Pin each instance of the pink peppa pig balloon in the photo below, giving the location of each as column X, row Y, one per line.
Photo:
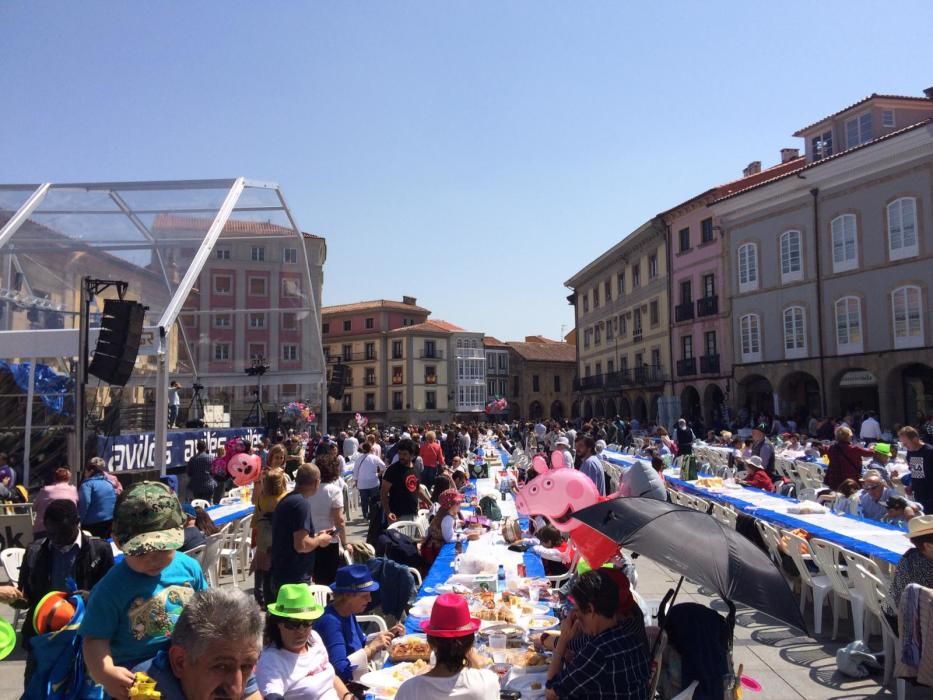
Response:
column 539, row 464
column 244, row 468
column 558, row 460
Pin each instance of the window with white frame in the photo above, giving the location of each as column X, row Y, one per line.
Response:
column 845, row 243
column 791, row 257
column 748, row 267
column 902, row 228
column 222, row 321
column 257, row 320
column 586, row 302
column 222, row 253
column 223, row 284
column 289, row 352
column 221, row 351
column 290, row 256
column 795, row 335
column 858, row 130
column 652, row 266
column 258, row 253
column 258, row 286
column 750, row 329
column 907, row 312
column 848, row 325
column 887, row 118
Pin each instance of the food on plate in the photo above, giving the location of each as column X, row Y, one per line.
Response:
column 710, row 482
column 529, row 658
column 542, row 623
column 497, row 614
column 410, row 649
column 403, row 672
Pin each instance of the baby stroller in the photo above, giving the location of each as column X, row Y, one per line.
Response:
column 698, row 648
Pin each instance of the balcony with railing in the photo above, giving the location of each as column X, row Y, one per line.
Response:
column 470, row 354
column 636, row 335
column 708, row 306
column 649, row 375
column 683, row 312
column 687, row 367
column 709, row 364
column 430, row 354
column 352, row 357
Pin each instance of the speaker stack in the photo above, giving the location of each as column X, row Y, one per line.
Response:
column 338, row 381
column 121, row 328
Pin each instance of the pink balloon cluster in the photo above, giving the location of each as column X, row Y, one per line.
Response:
column 244, row 468
column 497, row 406
column 361, row 421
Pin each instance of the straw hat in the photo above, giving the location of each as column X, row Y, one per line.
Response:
column 921, row 525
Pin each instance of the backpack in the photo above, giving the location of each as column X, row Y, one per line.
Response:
column 490, row 508
column 400, row 548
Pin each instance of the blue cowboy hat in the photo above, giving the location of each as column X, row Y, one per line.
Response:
column 354, row 579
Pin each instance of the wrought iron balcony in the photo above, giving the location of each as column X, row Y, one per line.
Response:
column 708, row 306
column 649, row 375
column 683, row 312
column 709, row 364
column 686, row 368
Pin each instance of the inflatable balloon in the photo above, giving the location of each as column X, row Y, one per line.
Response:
column 53, row 612
column 244, row 469
column 558, row 460
column 557, row 493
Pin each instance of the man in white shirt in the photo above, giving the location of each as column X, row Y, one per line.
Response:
column 350, row 447
column 871, row 429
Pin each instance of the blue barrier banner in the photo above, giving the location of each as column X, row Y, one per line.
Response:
column 136, row 451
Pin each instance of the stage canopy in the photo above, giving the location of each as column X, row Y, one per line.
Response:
column 228, row 277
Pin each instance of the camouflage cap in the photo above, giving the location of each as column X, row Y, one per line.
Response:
column 148, row 518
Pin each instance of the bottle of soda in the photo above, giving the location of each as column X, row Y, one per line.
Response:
column 500, row 578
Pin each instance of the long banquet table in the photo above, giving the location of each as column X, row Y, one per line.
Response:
column 442, row 569
column 867, row 537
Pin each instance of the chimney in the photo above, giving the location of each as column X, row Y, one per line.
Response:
column 410, row 301
column 753, row 168
column 929, row 93
column 789, row 154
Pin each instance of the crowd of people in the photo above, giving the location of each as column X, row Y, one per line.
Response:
column 151, row 608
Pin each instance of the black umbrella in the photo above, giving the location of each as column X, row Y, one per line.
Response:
column 696, row 545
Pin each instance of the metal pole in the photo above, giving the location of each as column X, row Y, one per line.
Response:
column 161, row 399
column 84, row 310
column 324, row 404
column 27, row 443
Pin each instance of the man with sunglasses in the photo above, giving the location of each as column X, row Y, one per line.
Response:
column 874, row 496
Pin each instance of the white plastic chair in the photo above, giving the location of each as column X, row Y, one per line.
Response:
column 200, row 503
column 416, row 575
column 321, row 594
column 210, row 559
column 827, row 555
column 412, row 528
column 12, row 559
column 875, row 592
column 817, row 584
column 726, row 516
column 378, row 661
column 197, row 553
column 230, row 552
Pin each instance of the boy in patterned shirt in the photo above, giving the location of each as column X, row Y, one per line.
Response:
column 133, row 609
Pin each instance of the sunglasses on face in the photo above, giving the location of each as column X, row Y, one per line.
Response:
column 297, row 624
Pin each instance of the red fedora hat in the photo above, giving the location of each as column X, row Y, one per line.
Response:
column 450, row 617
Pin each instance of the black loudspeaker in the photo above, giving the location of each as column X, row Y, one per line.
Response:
column 121, row 327
column 338, row 380
column 272, row 421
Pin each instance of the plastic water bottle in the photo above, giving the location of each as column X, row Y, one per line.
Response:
column 500, row 579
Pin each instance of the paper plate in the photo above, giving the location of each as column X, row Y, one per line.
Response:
column 530, row 686
column 422, row 607
column 539, row 624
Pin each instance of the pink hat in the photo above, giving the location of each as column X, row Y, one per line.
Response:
column 450, row 497
column 450, row 617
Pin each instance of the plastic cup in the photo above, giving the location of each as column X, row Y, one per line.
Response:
column 498, row 642
column 534, row 593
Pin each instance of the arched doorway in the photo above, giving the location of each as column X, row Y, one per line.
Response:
column 655, row 404
column 756, row 396
column 856, row 391
column 640, row 409
column 611, row 408
column 690, row 403
column 587, row 410
column 599, row 410
column 713, row 400
column 914, row 387
column 625, row 408
column 557, row 411
column 575, row 410
column 799, row 395
column 536, row 410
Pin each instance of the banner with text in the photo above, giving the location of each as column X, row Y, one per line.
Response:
column 137, row 450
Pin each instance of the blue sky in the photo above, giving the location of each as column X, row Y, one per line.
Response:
column 471, row 154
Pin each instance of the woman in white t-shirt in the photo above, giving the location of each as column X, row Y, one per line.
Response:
column 294, row 663
column 366, row 472
column 327, row 513
column 456, row 674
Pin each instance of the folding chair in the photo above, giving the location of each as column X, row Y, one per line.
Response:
column 12, row 559
column 818, row 584
column 827, row 555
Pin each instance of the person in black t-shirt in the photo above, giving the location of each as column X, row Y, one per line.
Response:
column 920, row 461
column 293, row 543
column 399, row 492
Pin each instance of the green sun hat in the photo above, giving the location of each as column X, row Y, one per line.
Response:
column 148, row 518
column 7, row 639
column 296, row 602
